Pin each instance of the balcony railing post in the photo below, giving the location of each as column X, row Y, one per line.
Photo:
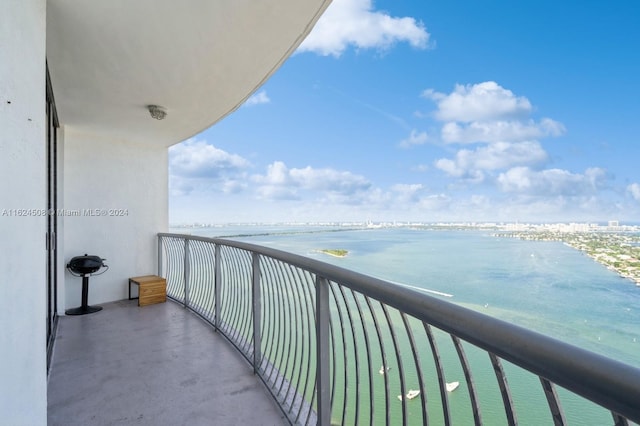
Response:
column 257, row 312
column 216, row 286
column 187, row 272
column 322, row 351
column 159, row 255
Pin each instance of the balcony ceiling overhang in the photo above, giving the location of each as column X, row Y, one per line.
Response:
column 199, row 59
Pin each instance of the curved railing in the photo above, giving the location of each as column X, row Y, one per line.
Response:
column 337, row 347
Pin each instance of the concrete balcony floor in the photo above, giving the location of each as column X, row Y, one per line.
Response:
column 153, row 365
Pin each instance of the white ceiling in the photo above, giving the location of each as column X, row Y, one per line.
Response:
column 200, row 59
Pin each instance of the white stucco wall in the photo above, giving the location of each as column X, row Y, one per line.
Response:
column 23, row 381
column 127, row 184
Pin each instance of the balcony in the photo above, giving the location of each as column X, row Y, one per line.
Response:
column 157, row 365
column 331, row 346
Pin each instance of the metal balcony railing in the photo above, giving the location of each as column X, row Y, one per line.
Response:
column 337, row 347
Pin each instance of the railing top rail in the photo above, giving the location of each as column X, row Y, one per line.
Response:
column 605, row 381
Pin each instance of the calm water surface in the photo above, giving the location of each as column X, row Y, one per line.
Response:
column 543, row 285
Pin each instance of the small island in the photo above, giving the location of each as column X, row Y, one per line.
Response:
column 335, row 252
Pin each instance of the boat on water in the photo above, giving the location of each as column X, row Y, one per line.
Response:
column 383, row 370
column 451, row 386
column 411, row 394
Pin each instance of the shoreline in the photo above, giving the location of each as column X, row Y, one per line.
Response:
column 616, row 252
column 633, row 274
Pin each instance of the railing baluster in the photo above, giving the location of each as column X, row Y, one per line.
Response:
column 475, row 406
column 160, row 242
column 291, row 315
column 332, row 359
column 387, row 393
column 416, row 360
column 504, row 390
column 211, row 278
column 292, row 389
column 242, row 302
column 217, row 285
column 280, row 327
column 187, row 272
column 245, row 306
column 276, row 280
column 345, row 358
column 257, row 311
column 553, row 401
column 618, row 420
column 195, row 300
column 440, row 372
column 227, row 273
column 271, row 341
column 208, row 265
column 322, row 351
column 401, row 375
column 270, row 350
column 227, row 306
column 237, row 272
column 175, row 266
column 308, row 289
column 369, row 366
column 345, row 361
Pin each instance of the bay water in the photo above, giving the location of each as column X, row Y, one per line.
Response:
column 545, row 286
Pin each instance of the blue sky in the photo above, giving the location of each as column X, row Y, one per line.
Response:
column 432, row 111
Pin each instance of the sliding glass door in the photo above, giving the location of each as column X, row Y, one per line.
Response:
column 52, row 219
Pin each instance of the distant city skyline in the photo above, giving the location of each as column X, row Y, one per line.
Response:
column 611, row 225
column 432, row 112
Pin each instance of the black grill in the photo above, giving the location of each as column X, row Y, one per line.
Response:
column 84, row 266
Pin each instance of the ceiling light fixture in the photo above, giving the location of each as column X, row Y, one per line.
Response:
column 157, row 112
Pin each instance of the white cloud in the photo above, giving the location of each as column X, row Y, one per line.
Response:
column 435, row 202
column 354, row 23
column 276, row 184
column 198, row 159
column 281, row 182
column 277, row 192
column 258, row 98
column 494, row 131
column 234, row 186
column 415, row 138
column 552, row 182
column 452, row 168
column 179, row 186
column 329, row 180
column 499, row 122
column 407, row 192
column 197, row 166
column 277, row 174
column 485, row 101
column 487, row 112
column 479, row 201
column 634, row 190
column 470, row 164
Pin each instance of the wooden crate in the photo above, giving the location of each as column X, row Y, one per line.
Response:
column 151, row 289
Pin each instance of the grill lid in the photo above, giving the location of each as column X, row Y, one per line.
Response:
column 87, row 264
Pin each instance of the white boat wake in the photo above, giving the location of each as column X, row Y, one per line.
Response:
column 426, row 290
